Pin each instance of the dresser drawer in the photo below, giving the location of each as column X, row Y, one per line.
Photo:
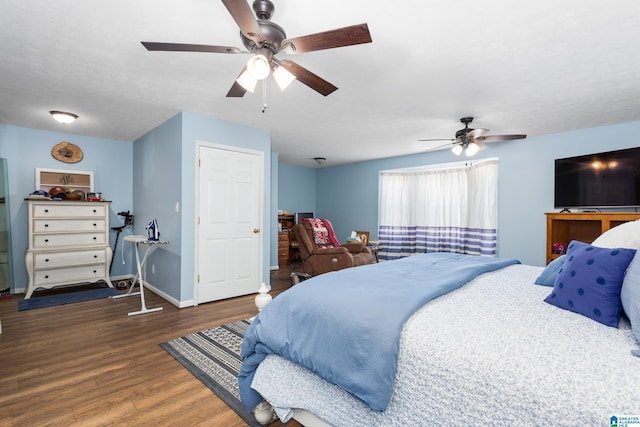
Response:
column 283, row 237
column 64, row 210
column 41, row 241
column 69, row 275
column 54, row 225
column 63, row 259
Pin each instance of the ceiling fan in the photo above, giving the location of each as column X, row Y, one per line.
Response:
column 264, row 40
column 471, row 140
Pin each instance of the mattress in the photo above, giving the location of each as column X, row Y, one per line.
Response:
column 490, row 353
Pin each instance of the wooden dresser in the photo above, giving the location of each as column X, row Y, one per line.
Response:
column 68, row 243
column 283, row 248
column 583, row 226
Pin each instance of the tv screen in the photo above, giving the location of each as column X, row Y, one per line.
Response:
column 601, row 180
column 300, row 215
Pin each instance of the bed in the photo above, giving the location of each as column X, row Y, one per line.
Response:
column 489, row 352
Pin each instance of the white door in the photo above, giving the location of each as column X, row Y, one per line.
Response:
column 230, row 223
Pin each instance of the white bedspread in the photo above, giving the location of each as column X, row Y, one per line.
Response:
column 491, row 353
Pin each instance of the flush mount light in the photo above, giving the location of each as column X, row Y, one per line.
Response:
column 63, row 117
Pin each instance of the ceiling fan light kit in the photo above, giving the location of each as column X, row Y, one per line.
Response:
column 265, row 39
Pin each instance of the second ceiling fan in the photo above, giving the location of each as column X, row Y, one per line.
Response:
column 471, row 140
column 264, row 40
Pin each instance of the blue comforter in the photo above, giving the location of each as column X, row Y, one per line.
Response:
column 345, row 326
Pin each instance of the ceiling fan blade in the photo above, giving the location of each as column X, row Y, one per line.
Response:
column 500, row 137
column 476, row 133
column 180, row 47
column 439, row 147
column 308, row 78
column 237, row 91
column 347, row 36
column 243, row 15
column 437, row 139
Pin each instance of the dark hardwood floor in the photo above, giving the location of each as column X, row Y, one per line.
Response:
column 89, row 364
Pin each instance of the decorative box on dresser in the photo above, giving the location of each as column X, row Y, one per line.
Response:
column 68, row 243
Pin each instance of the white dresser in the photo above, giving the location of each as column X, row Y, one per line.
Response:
column 68, row 243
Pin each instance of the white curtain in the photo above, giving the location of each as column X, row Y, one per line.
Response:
column 452, row 209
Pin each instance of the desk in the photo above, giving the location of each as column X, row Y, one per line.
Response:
column 150, row 246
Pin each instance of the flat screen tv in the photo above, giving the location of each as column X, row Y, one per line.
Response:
column 300, row 215
column 601, row 180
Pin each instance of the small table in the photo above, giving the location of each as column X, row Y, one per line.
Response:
column 374, row 250
column 150, row 245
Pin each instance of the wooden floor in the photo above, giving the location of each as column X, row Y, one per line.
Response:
column 89, row 364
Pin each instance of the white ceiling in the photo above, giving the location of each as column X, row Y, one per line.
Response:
column 535, row 67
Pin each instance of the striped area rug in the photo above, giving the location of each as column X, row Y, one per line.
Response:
column 213, row 356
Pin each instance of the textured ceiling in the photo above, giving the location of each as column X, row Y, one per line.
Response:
column 518, row 67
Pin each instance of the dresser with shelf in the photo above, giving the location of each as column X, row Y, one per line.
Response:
column 563, row 227
column 68, row 243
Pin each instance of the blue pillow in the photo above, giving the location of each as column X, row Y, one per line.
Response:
column 590, row 282
column 630, row 297
column 549, row 274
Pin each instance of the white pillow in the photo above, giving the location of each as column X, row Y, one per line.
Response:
column 625, row 235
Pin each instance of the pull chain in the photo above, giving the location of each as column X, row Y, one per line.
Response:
column 264, row 95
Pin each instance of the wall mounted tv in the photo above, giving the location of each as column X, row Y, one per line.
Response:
column 601, row 180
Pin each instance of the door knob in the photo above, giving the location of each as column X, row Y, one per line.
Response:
column 256, row 230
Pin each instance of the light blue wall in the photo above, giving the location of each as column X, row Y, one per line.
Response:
column 26, row 149
column 157, row 187
column 296, row 189
column 348, row 194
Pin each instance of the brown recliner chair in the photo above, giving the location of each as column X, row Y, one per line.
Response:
column 317, row 260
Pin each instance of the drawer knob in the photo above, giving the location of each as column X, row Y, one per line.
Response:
column 46, row 260
column 46, row 240
column 95, row 238
column 46, row 225
column 95, row 256
column 95, row 225
column 46, row 277
column 95, row 271
column 46, row 211
column 94, row 211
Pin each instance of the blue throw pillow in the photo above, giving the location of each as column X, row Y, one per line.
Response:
column 590, row 282
column 630, row 296
column 549, row 274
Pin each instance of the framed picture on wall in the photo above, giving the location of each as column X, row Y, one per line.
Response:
column 363, row 236
column 73, row 180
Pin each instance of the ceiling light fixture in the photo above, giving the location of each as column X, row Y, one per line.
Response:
column 282, row 76
column 63, row 117
column 320, row 160
column 247, row 81
column 258, row 66
column 470, row 148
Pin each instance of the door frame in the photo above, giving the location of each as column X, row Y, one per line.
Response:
column 196, row 240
